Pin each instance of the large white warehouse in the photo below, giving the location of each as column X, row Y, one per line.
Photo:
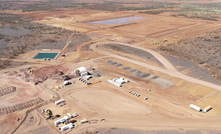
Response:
column 81, row 71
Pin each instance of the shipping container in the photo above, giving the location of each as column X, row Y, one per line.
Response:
column 208, row 108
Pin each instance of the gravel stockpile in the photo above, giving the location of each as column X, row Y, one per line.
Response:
column 142, row 75
column 138, row 71
column 108, row 61
column 118, row 65
column 130, row 50
column 155, row 77
column 145, row 75
column 113, row 63
column 126, row 68
column 132, row 70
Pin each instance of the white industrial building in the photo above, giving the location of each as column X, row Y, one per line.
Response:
column 68, row 126
column 118, row 82
column 61, row 120
column 81, row 71
column 114, row 83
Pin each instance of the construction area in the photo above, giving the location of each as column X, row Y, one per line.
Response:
column 116, row 82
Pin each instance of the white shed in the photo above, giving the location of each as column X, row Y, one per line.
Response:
column 81, row 71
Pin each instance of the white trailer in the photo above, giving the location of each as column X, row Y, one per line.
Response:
column 66, row 83
column 61, row 120
column 84, row 121
column 117, row 84
column 68, row 126
column 120, row 81
column 58, row 102
column 114, row 83
column 195, row 107
column 208, row 108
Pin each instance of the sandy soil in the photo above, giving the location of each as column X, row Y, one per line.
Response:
column 25, row 91
column 165, row 109
column 153, row 25
column 115, row 106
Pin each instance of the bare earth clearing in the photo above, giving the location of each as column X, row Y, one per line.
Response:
column 110, row 109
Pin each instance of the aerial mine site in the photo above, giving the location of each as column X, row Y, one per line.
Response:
column 110, row 67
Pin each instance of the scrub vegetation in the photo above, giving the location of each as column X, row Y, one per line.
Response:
column 204, row 50
column 207, row 11
column 19, row 34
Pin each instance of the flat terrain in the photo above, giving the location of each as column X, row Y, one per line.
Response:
column 108, row 52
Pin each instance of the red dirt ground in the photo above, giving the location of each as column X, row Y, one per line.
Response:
column 60, row 14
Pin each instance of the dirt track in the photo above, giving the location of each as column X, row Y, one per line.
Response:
column 101, row 100
column 170, row 69
column 30, row 61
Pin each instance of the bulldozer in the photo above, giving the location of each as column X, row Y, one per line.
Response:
column 48, row 114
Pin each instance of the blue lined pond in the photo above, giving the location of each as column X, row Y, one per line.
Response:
column 116, row 21
column 45, row 55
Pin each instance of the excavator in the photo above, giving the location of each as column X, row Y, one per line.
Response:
column 48, row 114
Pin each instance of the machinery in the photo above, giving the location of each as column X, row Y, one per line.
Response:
column 65, row 77
column 67, row 122
column 48, row 114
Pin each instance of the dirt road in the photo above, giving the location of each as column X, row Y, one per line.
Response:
column 29, row 61
column 170, row 68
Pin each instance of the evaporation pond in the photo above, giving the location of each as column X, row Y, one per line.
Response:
column 116, row 21
column 45, row 55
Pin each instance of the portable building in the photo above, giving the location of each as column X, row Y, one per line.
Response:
column 75, row 115
column 57, row 122
column 61, row 120
column 208, row 108
column 84, row 121
column 88, row 77
column 66, row 83
column 68, row 126
column 66, row 117
column 126, row 80
column 195, row 107
column 58, row 102
column 69, row 115
column 117, row 84
column 120, row 81
column 112, row 82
